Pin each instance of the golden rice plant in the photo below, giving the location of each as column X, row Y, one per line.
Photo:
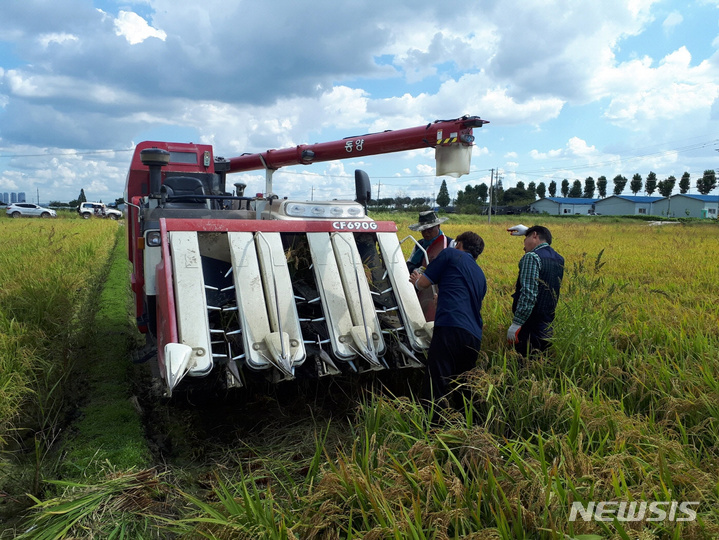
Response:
column 47, row 269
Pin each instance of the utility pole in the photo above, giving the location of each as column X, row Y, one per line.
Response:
column 379, row 184
column 312, row 195
column 489, row 208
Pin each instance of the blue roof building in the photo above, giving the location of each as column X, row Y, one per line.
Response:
column 558, row 206
column 688, row 205
column 626, row 205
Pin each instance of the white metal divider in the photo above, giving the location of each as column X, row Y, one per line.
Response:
column 366, row 330
column 332, row 295
column 285, row 342
column 419, row 331
column 252, row 311
column 190, row 301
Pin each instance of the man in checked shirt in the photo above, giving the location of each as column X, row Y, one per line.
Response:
column 537, row 291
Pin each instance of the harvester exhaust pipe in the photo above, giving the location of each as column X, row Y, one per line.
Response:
column 363, row 189
column 155, row 159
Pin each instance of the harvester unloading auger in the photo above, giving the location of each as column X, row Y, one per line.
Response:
column 240, row 286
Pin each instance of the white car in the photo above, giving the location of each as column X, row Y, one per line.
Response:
column 90, row 209
column 23, row 209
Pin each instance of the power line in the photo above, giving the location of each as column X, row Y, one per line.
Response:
column 74, row 153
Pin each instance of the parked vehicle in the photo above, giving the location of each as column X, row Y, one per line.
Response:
column 94, row 209
column 17, row 210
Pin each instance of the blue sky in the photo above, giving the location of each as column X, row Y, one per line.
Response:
column 571, row 89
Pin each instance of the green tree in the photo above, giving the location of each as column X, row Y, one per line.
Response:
column 602, row 186
column 467, row 200
column 81, row 198
column 651, row 183
column 619, row 183
column 542, row 190
column 517, row 196
column 387, row 202
column 552, row 189
column 589, row 187
column 482, row 192
column 443, row 199
column 400, row 201
column 665, row 187
column 532, row 190
column 419, row 201
column 636, row 184
column 685, row 183
column 707, row 182
column 497, row 192
column 565, row 187
column 576, row 190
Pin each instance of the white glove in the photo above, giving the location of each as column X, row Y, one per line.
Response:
column 518, row 230
column 513, row 333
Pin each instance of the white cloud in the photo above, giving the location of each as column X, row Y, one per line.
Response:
column 575, row 148
column 135, row 29
column 60, row 38
column 671, row 90
column 28, row 85
column 672, row 20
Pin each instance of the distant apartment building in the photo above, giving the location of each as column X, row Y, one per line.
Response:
column 11, row 198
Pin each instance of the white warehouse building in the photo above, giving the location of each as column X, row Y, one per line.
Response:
column 626, row 205
column 688, row 205
column 559, row 206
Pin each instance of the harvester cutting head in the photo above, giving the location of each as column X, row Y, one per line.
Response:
column 260, row 286
column 333, row 292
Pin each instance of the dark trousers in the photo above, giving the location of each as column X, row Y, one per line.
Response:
column 533, row 338
column 452, row 352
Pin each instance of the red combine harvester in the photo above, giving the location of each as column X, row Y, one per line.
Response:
column 242, row 287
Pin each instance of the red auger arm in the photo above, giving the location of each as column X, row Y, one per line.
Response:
column 438, row 133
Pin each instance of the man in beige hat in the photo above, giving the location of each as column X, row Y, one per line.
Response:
column 433, row 241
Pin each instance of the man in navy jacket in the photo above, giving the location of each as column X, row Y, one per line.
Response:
column 457, row 334
column 536, row 294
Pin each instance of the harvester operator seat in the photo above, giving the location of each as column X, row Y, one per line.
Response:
column 184, row 186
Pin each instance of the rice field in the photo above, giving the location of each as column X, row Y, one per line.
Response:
column 47, row 269
column 623, row 409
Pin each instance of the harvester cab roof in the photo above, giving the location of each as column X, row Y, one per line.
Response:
column 241, row 287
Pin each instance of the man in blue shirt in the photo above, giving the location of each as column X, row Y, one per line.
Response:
column 457, row 334
column 541, row 270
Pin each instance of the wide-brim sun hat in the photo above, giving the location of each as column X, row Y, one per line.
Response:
column 427, row 220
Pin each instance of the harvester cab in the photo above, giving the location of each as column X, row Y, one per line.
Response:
column 242, row 287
